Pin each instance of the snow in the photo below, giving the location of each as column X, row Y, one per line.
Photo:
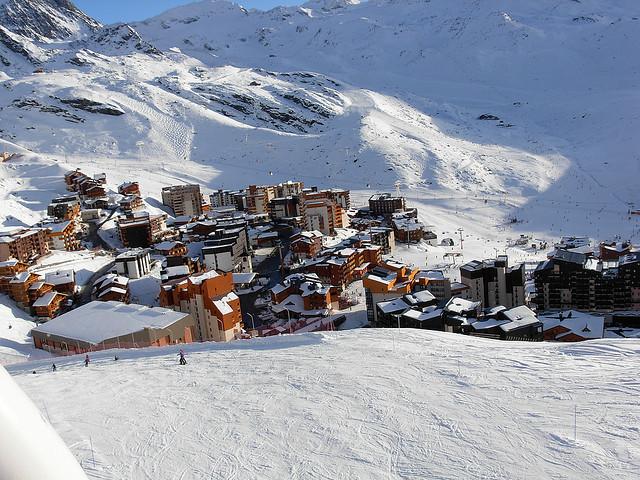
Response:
column 360, row 404
column 16, row 344
column 84, row 263
column 98, row 321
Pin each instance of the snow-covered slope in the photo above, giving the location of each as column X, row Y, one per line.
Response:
column 374, row 404
column 358, row 95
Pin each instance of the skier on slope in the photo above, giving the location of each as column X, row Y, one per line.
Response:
column 53, row 367
column 183, row 361
column 86, row 360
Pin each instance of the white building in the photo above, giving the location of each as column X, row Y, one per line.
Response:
column 134, row 264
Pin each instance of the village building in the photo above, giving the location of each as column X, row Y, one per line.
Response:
column 227, row 247
column 134, row 263
column 303, row 295
column 8, row 270
column 413, row 310
column 131, row 203
column 62, row 236
column 63, row 281
column 171, row 249
column 224, row 198
column 38, row 289
column 183, row 199
column 258, row 198
column 493, row 282
column 572, row 326
column 284, row 207
column 383, row 237
column 90, row 214
column 23, row 244
column 306, row 244
column 613, row 251
column 141, row 229
column 112, row 287
column 105, row 325
column 210, row 300
column 408, row 230
column 459, row 314
column 385, row 204
column 437, row 283
column 387, row 281
column 48, row 306
column 518, row 323
column 343, row 266
column 574, row 280
column 19, row 288
column 64, row 208
column 129, row 188
column 323, row 215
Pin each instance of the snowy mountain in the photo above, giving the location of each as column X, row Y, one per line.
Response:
column 496, row 109
column 365, row 404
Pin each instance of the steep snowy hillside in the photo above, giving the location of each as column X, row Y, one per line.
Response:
column 367, row 404
column 497, row 109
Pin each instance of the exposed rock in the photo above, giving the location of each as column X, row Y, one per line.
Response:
column 93, row 106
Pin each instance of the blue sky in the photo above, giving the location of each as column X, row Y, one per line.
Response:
column 111, row 11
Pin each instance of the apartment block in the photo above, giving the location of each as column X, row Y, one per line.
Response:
column 385, row 204
column 183, row 199
column 210, row 300
column 24, row 244
column 141, row 229
column 493, row 282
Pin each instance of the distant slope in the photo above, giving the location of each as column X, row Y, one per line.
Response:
column 356, row 95
column 372, row 404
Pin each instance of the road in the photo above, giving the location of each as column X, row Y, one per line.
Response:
column 269, row 268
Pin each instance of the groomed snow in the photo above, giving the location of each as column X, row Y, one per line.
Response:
column 366, row 404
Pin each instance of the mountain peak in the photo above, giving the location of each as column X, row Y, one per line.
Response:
column 45, row 20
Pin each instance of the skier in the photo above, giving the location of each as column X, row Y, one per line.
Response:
column 116, row 358
column 86, row 360
column 183, row 361
column 53, row 367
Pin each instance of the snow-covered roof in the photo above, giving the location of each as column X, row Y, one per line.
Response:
column 420, row 297
column 46, row 299
column 581, row 323
column 177, row 270
column 60, row 277
column 489, row 323
column 165, row 246
column 459, row 305
column 222, row 303
column 428, row 313
column 393, row 305
column 20, row 277
column 198, row 279
column 132, row 254
column 240, row 278
column 117, row 290
column 98, row 321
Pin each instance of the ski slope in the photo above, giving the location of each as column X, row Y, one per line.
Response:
column 374, row 404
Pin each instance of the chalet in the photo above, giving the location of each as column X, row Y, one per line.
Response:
column 112, row 287
column 131, row 203
column 306, row 244
column 171, row 249
column 48, row 306
column 302, row 295
column 8, row 270
column 129, row 188
column 518, row 323
column 408, row 230
column 342, row 267
column 459, row 314
column 413, row 310
column 38, row 289
column 63, row 281
column 64, row 208
column 19, row 288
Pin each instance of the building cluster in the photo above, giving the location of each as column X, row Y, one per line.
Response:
column 44, row 297
column 207, row 253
